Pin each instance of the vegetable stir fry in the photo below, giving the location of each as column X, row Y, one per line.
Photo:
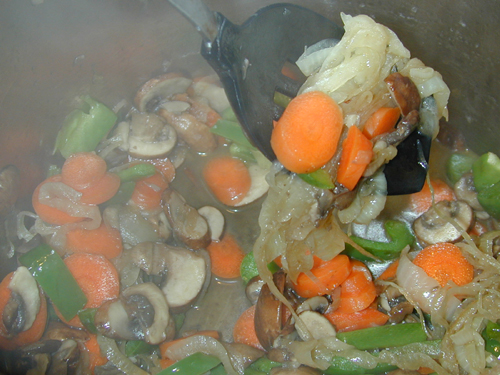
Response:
column 135, row 234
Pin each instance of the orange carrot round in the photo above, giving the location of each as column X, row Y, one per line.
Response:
column 369, row 317
column 228, row 178
column 326, row 276
column 102, row 190
column 32, row 334
column 148, row 191
column 390, row 271
column 383, row 120
column 306, row 136
column 356, row 154
column 422, row 201
column 244, row 329
column 445, row 262
column 83, row 169
column 226, row 257
column 104, row 240
column 165, row 167
column 96, row 276
column 48, row 213
column 358, row 291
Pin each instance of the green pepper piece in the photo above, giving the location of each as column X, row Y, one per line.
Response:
column 123, row 194
column 231, row 130
column 343, row 366
column 458, row 164
column 319, row 178
column 83, row 129
column 136, row 172
column 179, row 321
column 264, row 365
column 242, row 152
column 219, row 370
column 489, row 198
column 281, row 99
column 396, row 231
column 486, row 171
column 228, row 114
column 252, row 371
column 87, row 318
column 384, row 336
column 135, row 347
column 248, row 268
column 491, row 335
column 195, row 364
column 56, row 280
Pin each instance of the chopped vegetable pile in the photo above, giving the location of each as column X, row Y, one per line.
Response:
column 141, row 254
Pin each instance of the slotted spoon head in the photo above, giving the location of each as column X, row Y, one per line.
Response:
column 250, row 59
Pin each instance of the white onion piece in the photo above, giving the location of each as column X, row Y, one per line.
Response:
column 469, row 350
column 203, row 344
column 117, row 358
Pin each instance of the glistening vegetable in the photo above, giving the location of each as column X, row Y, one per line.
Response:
column 195, row 364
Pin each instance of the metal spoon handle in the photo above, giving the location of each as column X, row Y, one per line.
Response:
column 200, row 15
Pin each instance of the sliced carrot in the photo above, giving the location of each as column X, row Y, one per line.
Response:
column 32, row 334
column 445, row 262
column 383, row 120
column 358, row 291
column 167, row 344
column 356, row 154
column 165, row 167
column 425, row 370
column 148, row 191
column 83, row 169
column 166, row 362
column 93, row 350
column 226, row 257
column 244, row 329
column 326, row 276
column 390, row 271
column 306, row 136
column 369, row 317
column 48, row 213
column 101, row 191
column 478, row 229
column 96, row 276
column 105, row 241
column 228, row 178
column 422, row 201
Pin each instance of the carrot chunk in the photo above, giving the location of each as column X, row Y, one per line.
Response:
column 383, row 120
column 148, row 191
column 422, row 201
column 244, row 329
column 358, row 291
column 104, row 240
column 83, row 169
column 369, row 317
column 226, row 257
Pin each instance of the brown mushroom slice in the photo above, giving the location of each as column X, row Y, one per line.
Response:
column 404, row 91
column 176, row 106
column 318, row 303
column 149, row 136
column 434, row 226
column 111, row 320
column 186, row 274
column 188, row 225
column 151, row 257
column 317, row 326
column 213, row 94
column 24, row 304
column 258, row 187
column 253, row 288
column 192, row 131
column 215, row 221
column 242, row 355
column 464, row 190
column 9, row 188
column 159, row 89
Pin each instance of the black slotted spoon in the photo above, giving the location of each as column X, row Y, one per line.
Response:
column 249, row 60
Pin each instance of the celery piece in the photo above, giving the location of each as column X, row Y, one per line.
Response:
column 83, row 129
column 195, row 364
column 136, row 172
column 486, row 171
column 396, row 231
column 384, row 336
column 319, row 178
column 232, row 131
column 458, row 164
column 56, row 280
column 87, row 318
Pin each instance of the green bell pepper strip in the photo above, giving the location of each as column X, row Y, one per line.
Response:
column 83, row 129
column 219, row 370
column 281, row 99
column 491, row 335
column 228, row 114
column 248, row 267
column 56, row 280
column 486, row 171
column 387, row 336
column 489, row 198
column 135, row 347
column 136, row 172
column 123, row 194
column 396, row 231
column 458, row 164
column 264, row 365
column 242, row 152
column 319, row 178
column 195, row 364
column 231, row 130
column 87, row 318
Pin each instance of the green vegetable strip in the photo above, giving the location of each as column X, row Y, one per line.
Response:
column 242, row 152
column 219, row 370
column 458, row 164
column 396, row 231
column 281, row 99
column 264, row 365
column 136, row 172
column 491, row 335
column 135, row 347
column 84, row 129
column 87, row 318
column 489, row 198
column 343, row 366
column 195, row 364
column 56, row 280
column 387, row 336
column 231, row 130
column 319, row 178
column 248, row 267
column 486, row 171
column 123, row 194
column 228, row 114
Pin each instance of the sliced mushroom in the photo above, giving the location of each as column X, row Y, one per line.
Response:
column 464, row 190
column 112, row 320
column 23, row 305
column 65, row 359
column 258, row 187
column 151, row 257
column 215, row 221
column 253, row 289
column 213, row 94
column 9, row 188
column 186, row 274
column 149, row 136
column 404, row 92
column 318, row 303
column 192, row 131
column 317, row 325
column 188, row 225
column 157, row 90
column 434, row 225
column 242, row 355
column 60, row 332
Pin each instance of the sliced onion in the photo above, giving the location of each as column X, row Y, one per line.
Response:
column 117, row 358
